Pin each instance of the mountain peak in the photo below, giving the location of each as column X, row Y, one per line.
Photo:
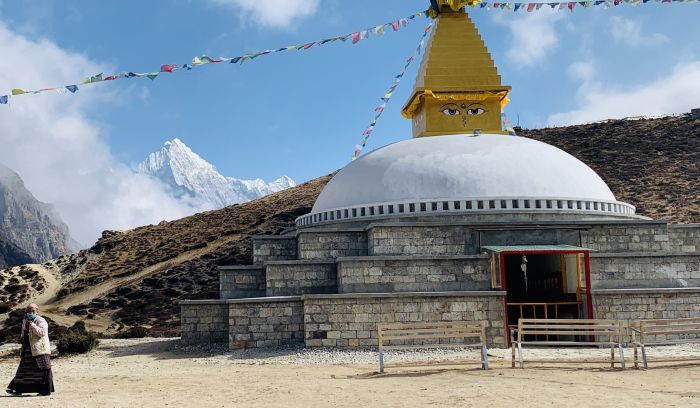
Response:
column 188, row 174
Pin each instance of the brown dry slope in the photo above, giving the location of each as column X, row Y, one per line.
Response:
column 137, row 277
column 653, row 164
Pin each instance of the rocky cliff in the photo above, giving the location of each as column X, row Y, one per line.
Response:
column 29, row 224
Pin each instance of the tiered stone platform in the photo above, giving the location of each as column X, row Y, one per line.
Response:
column 329, row 286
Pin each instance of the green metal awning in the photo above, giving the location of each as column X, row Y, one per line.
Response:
column 534, row 248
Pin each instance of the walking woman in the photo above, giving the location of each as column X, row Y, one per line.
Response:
column 34, row 371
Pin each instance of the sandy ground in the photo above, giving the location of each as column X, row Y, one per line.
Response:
column 155, row 373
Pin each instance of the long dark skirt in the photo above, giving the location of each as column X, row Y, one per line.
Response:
column 30, row 378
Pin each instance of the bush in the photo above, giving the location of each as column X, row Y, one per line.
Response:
column 136, row 332
column 75, row 342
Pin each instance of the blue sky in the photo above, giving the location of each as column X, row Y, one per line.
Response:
column 296, row 113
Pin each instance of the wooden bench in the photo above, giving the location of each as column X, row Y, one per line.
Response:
column 548, row 332
column 645, row 330
column 415, row 335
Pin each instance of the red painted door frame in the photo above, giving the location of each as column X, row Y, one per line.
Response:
column 587, row 273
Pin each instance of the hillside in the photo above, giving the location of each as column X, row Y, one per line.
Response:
column 137, row 277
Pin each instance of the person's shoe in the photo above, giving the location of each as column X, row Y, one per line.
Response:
column 12, row 392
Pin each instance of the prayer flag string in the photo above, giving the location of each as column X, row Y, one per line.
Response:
column 568, row 5
column 355, row 37
column 389, row 93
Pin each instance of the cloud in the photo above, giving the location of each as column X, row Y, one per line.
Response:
column 629, row 32
column 273, row 13
column 50, row 140
column 582, row 70
column 534, row 35
column 675, row 92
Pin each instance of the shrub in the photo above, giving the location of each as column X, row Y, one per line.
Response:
column 75, row 342
column 136, row 332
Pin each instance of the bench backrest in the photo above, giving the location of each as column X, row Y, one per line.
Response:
column 426, row 335
column 667, row 327
column 613, row 330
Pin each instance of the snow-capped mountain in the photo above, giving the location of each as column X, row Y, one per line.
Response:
column 188, row 175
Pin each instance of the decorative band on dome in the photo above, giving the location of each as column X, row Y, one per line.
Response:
column 465, row 206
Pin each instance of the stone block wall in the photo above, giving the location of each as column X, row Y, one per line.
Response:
column 348, row 321
column 646, row 270
column 420, row 240
column 684, row 238
column 331, row 244
column 647, row 304
column 414, row 274
column 626, row 237
column 203, row 321
column 274, row 248
column 241, row 281
column 267, row 323
column 293, row 278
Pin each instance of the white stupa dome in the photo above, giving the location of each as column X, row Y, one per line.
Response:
column 463, row 173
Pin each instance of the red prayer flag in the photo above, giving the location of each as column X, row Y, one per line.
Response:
column 396, row 25
column 355, row 37
column 167, row 68
column 572, row 5
column 530, row 7
column 309, row 45
column 110, row 78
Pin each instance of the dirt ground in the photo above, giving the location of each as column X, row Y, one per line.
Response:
column 151, row 373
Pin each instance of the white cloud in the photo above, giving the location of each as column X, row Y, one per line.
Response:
column 582, row 70
column 273, row 13
column 60, row 153
column 534, row 35
column 675, row 92
column 629, row 32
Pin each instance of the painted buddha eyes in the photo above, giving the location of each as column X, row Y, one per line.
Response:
column 452, row 109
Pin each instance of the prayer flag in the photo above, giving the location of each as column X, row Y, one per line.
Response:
column 517, row 6
column 379, row 30
column 110, row 78
column 234, row 60
column 364, row 34
column 571, row 6
column 72, row 88
column 4, row 99
column 152, row 76
column 395, row 25
column 355, row 37
column 309, row 45
column 530, row 7
column 167, row 68
column 19, row 91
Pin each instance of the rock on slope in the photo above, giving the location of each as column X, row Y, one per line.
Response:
column 137, row 277
column 187, row 174
column 29, row 224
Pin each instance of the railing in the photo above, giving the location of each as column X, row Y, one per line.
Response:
column 522, row 307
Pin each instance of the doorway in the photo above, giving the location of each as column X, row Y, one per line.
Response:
column 539, row 285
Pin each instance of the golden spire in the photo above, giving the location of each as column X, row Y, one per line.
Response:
column 458, row 88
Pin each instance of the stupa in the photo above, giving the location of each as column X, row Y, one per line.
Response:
column 460, row 222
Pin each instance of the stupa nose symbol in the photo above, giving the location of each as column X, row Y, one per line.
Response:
column 464, row 120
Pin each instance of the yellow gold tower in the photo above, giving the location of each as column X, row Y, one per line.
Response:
column 458, row 88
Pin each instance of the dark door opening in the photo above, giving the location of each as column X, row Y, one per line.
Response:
column 540, row 286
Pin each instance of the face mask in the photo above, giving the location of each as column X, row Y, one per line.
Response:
column 31, row 316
